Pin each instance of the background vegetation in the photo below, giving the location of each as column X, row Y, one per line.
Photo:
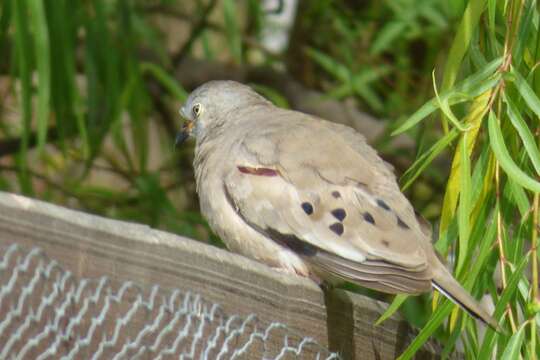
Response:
column 89, row 92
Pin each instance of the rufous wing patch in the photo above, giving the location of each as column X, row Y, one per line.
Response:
column 259, row 171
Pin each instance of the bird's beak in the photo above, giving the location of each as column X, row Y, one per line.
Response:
column 185, row 132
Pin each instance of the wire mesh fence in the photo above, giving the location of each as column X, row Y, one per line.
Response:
column 46, row 312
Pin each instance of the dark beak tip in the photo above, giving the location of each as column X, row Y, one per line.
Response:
column 181, row 137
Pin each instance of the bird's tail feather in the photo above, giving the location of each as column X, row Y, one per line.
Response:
column 449, row 287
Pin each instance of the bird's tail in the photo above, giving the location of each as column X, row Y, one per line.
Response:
column 445, row 283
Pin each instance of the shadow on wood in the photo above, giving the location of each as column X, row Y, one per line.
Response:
column 340, row 323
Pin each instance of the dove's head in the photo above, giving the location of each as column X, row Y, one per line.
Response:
column 212, row 104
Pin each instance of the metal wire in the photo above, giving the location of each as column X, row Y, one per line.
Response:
column 48, row 313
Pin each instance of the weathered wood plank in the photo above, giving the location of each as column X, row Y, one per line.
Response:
column 92, row 246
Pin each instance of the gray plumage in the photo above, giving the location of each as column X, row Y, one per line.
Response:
column 308, row 196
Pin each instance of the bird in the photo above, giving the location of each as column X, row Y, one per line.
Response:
column 308, row 196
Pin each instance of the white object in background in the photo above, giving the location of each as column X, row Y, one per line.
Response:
column 278, row 23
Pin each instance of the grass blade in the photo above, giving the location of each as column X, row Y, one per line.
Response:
column 168, row 82
column 386, row 36
column 42, row 53
column 464, row 210
column 5, row 17
column 232, row 29
column 23, row 53
column 330, row 65
column 65, row 98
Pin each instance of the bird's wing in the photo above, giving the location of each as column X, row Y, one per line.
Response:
column 320, row 190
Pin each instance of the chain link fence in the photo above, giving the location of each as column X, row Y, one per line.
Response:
column 46, row 312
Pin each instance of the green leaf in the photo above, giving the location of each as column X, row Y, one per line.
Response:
column 5, row 18
column 42, row 51
column 339, row 71
column 461, row 42
column 479, row 174
column 168, row 82
column 477, row 56
column 526, row 92
column 207, row 47
column 232, row 29
column 525, row 27
column 464, row 210
column 525, row 133
column 386, row 36
column 513, row 347
column 492, row 8
column 460, row 45
column 394, row 306
column 426, row 158
column 473, row 120
column 427, row 331
column 434, row 15
column 65, row 94
column 485, row 249
column 505, row 159
column 105, row 68
column 451, row 343
column 23, row 52
column 360, row 83
column 519, row 197
column 445, row 108
column 500, row 308
column 471, row 87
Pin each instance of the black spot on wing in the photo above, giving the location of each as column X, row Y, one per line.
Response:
column 339, row 214
column 369, row 218
column 291, row 241
column 402, row 224
column 337, row 228
column 336, row 194
column 383, row 205
column 308, row 208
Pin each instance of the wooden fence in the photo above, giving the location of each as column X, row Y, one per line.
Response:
column 90, row 247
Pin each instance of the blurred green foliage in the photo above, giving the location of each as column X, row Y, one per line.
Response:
column 89, row 92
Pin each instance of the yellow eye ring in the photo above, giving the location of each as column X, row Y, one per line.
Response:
column 197, row 110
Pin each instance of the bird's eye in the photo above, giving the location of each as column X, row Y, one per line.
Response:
column 197, row 110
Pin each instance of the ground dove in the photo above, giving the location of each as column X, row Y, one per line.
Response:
column 308, row 196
